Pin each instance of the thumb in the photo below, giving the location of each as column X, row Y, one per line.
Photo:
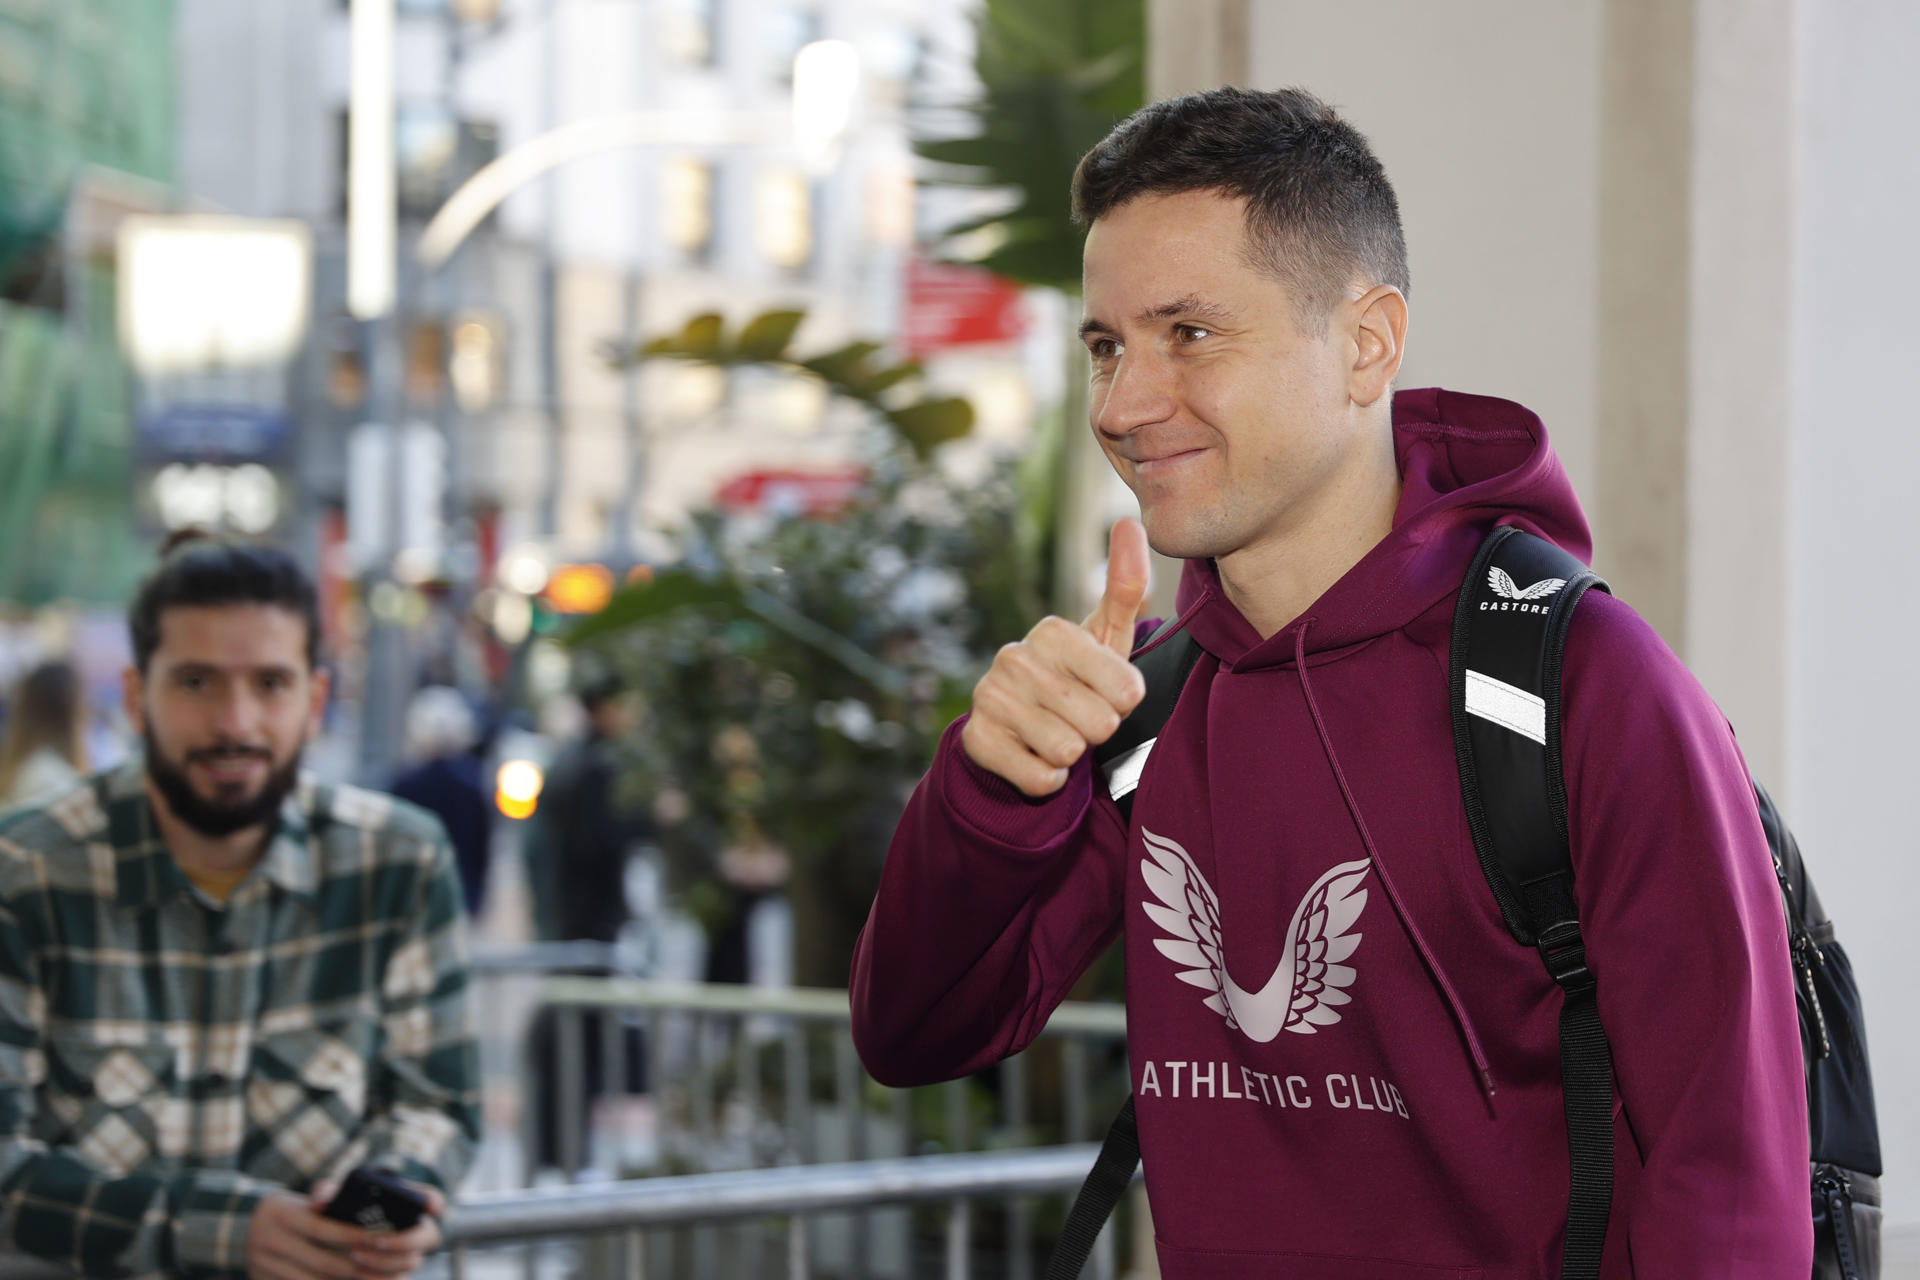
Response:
column 1111, row 621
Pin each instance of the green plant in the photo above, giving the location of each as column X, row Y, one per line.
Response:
column 798, row 670
column 1055, row 76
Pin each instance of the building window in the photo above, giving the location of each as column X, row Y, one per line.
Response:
column 787, row 28
column 434, row 153
column 687, row 212
column 426, row 142
column 783, row 218
column 689, row 31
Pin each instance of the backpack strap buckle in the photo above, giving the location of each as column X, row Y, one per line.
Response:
column 1565, row 954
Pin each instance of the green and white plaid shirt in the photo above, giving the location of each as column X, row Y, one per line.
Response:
column 164, row 1063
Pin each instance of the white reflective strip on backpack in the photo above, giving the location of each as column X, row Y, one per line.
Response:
column 1123, row 771
column 1506, row 706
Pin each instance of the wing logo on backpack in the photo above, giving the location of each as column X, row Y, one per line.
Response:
column 1310, row 979
column 1513, row 596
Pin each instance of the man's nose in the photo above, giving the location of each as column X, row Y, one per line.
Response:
column 1139, row 393
column 237, row 715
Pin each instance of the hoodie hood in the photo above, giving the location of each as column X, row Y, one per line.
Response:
column 1466, row 463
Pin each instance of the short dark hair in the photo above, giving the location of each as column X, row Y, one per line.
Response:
column 598, row 691
column 1320, row 210
column 211, row 570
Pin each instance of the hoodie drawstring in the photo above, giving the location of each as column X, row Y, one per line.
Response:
column 1460, row 1017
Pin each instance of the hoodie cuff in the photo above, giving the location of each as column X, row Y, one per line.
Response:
column 1000, row 811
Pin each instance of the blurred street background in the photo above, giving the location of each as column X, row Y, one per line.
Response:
column 687, row 390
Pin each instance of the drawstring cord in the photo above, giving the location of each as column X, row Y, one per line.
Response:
column 1386, row 881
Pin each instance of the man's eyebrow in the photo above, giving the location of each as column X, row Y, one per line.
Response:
column 1191, row 304
column 195, row 667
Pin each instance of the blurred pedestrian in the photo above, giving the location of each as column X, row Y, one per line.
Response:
column 227, row 984
column 446, row 779
column 43, row 750
column 576, row 850
column 577, row 844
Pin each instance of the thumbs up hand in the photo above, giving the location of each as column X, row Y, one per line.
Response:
column 1064, row 688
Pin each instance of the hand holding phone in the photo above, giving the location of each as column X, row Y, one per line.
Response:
column 377, row 1200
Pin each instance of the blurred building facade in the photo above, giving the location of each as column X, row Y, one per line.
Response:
column 86, row 133
column 1678, row 232
column 505, row 343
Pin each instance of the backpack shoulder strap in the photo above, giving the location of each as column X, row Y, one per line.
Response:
column 1166, row 659
column 1509, row 636
column 1509, row 639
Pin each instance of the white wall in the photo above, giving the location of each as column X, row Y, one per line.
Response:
column 1801, row 264
column 1854, row 453
column 1486, row 116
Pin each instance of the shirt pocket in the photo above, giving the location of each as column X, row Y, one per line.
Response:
column 116, row 1104
column 306, row 1099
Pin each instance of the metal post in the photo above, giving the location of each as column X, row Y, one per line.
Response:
column 799, row 1089
column 703, row 1121
column 1106, row 1263
column 959, row 1240
column 1013, row 1101
column 746, row 1069
column 572, row 1096
column 849, row 1095
column 958, row 1137
column 633, row 1253
column 550, row 301
column 796, row 1248
column 1073, row 1071
column 656, row 1049
column 632, row 494
column 384, row 695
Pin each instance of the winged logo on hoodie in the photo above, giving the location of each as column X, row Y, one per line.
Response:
column 1504, row 585
column 1310, row 979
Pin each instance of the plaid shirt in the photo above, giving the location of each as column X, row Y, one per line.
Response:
column 165, row 1063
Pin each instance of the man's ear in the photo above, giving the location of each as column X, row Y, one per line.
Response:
column 1379, row 343
column 318, row 687
column 132, row 693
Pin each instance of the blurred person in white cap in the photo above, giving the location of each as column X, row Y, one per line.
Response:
column 445, row 779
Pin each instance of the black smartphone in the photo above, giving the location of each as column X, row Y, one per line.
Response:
column 377, row 1200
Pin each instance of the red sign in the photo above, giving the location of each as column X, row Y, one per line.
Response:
column 813, row 493
column 949, row 306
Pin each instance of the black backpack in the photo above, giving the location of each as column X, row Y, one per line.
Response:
column 1506, row 722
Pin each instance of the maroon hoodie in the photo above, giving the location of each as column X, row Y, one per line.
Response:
column 1390, row 1107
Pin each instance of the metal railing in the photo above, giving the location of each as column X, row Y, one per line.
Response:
column 707, row 1046
column 626, row 1211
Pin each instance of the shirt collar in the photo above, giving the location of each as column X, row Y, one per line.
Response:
column 146, row 873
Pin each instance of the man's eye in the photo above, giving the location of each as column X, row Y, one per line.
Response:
column 273, row 684
column 1103, row 348
column 1191, row 332
column 193, row 684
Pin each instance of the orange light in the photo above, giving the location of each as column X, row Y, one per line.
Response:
column 640, row 575
column 579, row 588
column 517, row 788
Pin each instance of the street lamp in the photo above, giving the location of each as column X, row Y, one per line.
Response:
column 372, row 198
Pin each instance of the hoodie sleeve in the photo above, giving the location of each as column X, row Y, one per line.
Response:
column 1687, row 942
column 991, row 905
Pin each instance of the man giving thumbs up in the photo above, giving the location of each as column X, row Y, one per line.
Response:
column 1343, row 1066
column 1064, row 688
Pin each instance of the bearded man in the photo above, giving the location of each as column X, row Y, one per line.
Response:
column 222, row 984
